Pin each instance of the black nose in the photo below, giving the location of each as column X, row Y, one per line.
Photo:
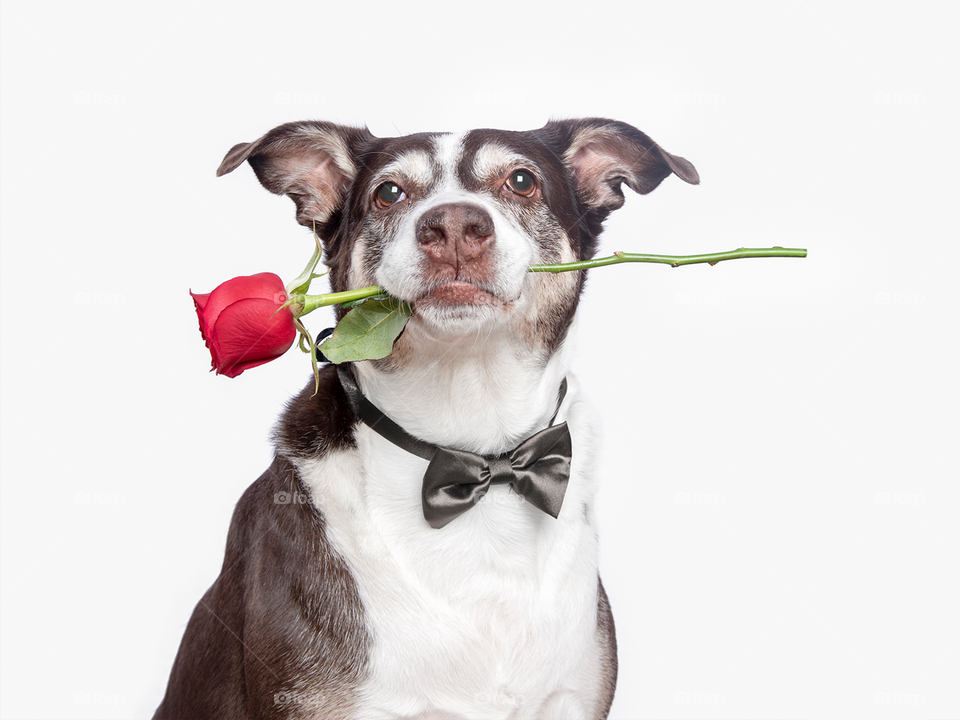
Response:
column 455, row 232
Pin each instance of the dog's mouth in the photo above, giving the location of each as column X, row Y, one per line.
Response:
column 458, row 293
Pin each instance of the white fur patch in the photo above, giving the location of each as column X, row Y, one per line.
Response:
column 445, row 396
column 449, row 149
column 493, row 159
column 413, row 165
column 492, row 616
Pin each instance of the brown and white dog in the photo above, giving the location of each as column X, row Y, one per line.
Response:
column 349, row 604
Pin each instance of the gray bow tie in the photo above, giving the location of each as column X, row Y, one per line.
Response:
column 538, row 468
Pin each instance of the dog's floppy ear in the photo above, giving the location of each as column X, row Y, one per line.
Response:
column 601, row 154
column 312, row 162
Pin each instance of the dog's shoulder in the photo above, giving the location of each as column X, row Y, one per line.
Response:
column 279, row 571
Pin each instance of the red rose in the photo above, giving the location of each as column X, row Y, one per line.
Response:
column 242, row 325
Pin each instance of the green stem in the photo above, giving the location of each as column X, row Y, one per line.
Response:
column 312, row 302
column 672, row 260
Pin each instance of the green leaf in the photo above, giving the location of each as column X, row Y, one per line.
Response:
column 367, row 332
column 302, row 283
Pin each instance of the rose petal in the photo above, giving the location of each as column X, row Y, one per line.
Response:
column 267, row 286
column 250, row 332
column 199, row 301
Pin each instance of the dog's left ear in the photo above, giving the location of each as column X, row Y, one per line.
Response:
column 312, row 162
column 601, row 154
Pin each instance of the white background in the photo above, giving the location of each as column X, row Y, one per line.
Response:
column 780, row 501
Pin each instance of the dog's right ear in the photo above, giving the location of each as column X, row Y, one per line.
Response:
column 312, row 162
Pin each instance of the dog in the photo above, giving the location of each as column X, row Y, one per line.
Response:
column 350, row 589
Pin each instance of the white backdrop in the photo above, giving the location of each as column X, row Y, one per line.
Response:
column 779, row 505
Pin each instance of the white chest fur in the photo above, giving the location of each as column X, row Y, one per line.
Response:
column 492, row 616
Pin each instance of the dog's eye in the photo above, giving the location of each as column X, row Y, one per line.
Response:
column 522, row 182
column 388, row 194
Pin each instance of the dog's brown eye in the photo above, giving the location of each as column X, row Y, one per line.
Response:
column 388, row 194
column 522, row 182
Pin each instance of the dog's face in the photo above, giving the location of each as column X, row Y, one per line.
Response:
column 452, row 222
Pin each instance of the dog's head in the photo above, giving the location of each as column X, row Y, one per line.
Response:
column 452, row 222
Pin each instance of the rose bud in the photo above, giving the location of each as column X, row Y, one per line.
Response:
column 243, row 324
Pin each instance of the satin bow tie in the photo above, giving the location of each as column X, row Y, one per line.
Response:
column 538, row 469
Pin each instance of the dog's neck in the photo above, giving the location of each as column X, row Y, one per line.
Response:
column 485, row 393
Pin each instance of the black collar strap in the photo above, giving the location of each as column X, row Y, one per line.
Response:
column 538, row 469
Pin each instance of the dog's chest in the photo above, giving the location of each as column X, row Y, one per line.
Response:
column 489, row 616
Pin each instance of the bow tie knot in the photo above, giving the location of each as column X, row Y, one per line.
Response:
column 538, row 469
column 499, row 470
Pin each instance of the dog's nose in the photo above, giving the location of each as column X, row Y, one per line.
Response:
column 455, row 233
